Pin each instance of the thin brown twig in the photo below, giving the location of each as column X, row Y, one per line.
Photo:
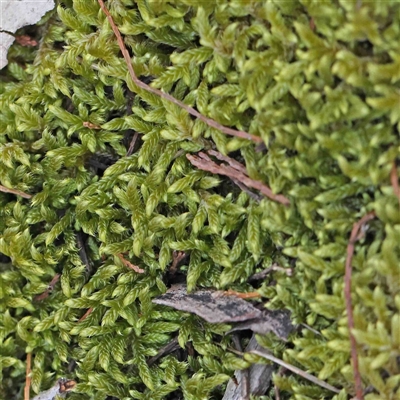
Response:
column 233, row 163
column 394, row 180
column 49, row 289
column 277, row 393
column 15, row 191
column 239, row 167
column 130, row 265
column 28, row 376
column 169, row 348
column 203, row 162
column 87, row 313
column 132, row 144
column 210, row 122
column 354, row 237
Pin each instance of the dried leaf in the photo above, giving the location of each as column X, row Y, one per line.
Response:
column 213, row 306
column 276, row 321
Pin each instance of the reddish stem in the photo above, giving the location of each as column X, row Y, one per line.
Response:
column 28, row 376
column 394, row 180
column 210, row 122
column 354, row 237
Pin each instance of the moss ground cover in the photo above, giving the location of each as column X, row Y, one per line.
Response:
column 318, row 82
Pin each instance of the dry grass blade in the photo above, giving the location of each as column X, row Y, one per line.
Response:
column 15, row 191
column 296, row 370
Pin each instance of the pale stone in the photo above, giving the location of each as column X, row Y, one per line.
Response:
column 15, row 14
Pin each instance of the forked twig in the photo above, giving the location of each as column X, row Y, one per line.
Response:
column 177, row 257
column 210, row 122
column 15, row 191
column 204, row 162
column 233, row 163
column 354, row 237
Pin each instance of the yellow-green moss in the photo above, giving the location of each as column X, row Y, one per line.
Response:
column 318, row 81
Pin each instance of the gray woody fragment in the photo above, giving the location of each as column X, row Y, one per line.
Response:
column 60, row 389
column 259, row 377
column 211, row 305
column 276, row 321
column 14, row 15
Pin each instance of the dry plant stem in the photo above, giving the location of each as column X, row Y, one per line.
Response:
column 249, row 295
column 169, row 348
column 50, row 287
column 277, row 393
column 296, row 370
column 203, row 162
column 245, row 189
column 354, row 237
column 15, row 191
column 276, row 389
column 233, row 163
column 177, row 257
column 132, row 144
column 239, row 167
column 211, row 123
column 28, row 376
column 87, row 313
column 394, row 180
column 130, row 265
column 275, row 267
column 311, row 329
column 245, row 374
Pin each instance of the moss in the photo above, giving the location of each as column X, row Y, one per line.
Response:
column 319, row 82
